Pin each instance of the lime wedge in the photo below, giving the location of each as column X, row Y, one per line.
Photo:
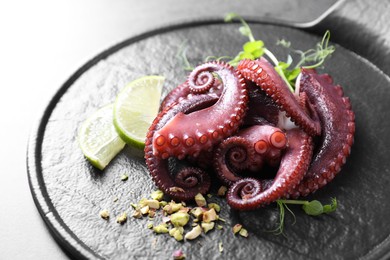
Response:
column 98, row 138
column 135, row 108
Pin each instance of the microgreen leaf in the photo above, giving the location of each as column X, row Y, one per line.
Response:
column 313, row 208
column 331, row 207
column 182, row 56
column 284, row 43
column 251, row 47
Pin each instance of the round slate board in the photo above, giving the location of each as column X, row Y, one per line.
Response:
column 69, row 192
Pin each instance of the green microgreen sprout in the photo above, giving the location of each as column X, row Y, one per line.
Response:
column 182, row 56
column 311, row 208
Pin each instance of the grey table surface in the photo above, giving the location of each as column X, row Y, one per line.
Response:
column 44, row 42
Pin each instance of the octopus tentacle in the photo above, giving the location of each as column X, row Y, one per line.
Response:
column 189, row 182
column 338, row 124
column 184, row 91
column 293, row 167
column 249, row 149
column 264, row 75
column 233, row 154
column 190, row 133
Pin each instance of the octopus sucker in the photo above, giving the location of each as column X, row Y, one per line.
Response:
column 338, row 129
column 293, row 167
column 273, row 85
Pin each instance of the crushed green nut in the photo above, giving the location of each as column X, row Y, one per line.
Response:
column 243, row 232
column 163, row 203
column 153, row 204
column 176, row 189
column 116, row 199
column 124, row 177
column 207, row 226
column 121, row 219
column 214, row 206
column 197, row 212
column 209, row 196
column 157, row 195
column 134, row 206
column 152, row 213
column 209, row 216
column 194, row 233
column 144, row 210
column 137, row 214
column 179, row 219
column 161, row 229
column 200, row 200
column 222, row 191
column 172, row 207
column 220, row 247
column 219, row 227
column 177, row 233
column 237, row 228
column 104, row 214
column 150, row 225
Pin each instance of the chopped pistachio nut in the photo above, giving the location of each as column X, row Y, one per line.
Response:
column 179, row 219
column 209, row 216
column 176, row 189
column 161, row 229
column 214, row 206
column 124, row 177
column 194, row 233
column 177, row 233
column 150, row 225
column 178, row 255
column 121, row 219
column 175, row 229
column 153, row 204
column 104, row 214
column 152, row 213
column 144, row 210
column 237, row 228
column 200, row 200
column 219, row 227
column 220, row 247
column 163, row 203
column 243, row 232
column 197, row 212
column 116, row 199
column 184, row 209
column 157, row 195
column 135, row 206
column 172, row 207
column 207, row 226
column 195, row 220
column 209, row 196
column 221, row 219
column 141, row 202
column 137, row 214
column 222, row 191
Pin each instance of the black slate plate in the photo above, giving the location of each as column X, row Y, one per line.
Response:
column 69, row 192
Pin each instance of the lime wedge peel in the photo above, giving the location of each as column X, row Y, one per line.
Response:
column 98, row 138
column 135, row 108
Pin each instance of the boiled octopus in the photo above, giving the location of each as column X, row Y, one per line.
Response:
column 246, row 127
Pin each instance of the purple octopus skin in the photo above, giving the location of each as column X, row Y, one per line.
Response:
column 183, row 91
column 338, row 129
column 248, row 150
column 261, row 108
column 250, row 194
column 189, row 134
column 264, row 75
column 189, row 181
